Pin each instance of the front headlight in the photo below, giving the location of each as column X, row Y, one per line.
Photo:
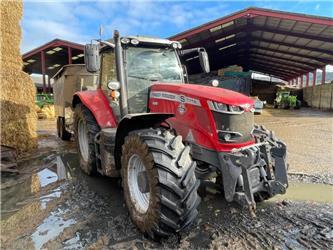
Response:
column 174, row 45
column 134, row 41
column 235, row 109
column 125, row 40
column 220, row 106
column 224, row 108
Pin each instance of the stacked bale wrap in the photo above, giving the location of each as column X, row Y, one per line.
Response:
column 17, row 91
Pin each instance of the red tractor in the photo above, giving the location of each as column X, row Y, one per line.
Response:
column 161, row 135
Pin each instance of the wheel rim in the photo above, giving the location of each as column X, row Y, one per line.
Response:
column 83, row 140
column 138, row 198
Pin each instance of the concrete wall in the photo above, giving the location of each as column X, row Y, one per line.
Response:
column 320, row 96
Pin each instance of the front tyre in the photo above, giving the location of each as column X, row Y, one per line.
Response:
column 85, row 130
column 159, row 182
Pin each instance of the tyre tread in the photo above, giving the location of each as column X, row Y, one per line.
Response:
column 178, row 178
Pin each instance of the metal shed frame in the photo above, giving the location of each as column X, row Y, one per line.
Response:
column 50, row 57
column 281, row 44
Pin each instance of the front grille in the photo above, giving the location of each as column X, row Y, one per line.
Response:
column 239, row 125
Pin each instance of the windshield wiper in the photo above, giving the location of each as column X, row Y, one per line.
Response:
column 144, row 78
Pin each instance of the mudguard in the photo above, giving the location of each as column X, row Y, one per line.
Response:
column 98, row 104
column 136, row 121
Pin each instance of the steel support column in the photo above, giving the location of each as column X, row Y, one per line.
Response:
column 323, row 76
column 42, row 55
column 314, row 78
column 69, row 50
column 48, row 84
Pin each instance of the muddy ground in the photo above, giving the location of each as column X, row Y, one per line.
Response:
column 51, row 204
column 309, row 137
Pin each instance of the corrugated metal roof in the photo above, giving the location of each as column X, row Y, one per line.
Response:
column 282, row 44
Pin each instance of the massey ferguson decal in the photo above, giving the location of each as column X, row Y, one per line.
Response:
column 174, row 97
column 181, row 108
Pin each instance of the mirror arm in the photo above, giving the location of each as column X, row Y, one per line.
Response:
column 108, row 44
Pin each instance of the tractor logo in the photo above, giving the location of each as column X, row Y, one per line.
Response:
column 182, row 99
column 181, row 108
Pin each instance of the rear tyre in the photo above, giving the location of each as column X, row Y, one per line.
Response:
column 159, row 182
column 85, row 130
column 63, row 134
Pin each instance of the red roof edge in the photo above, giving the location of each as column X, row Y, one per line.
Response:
column 251, row 12
column 54, row 43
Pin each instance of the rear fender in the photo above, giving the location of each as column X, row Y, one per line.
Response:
column 98, row 104
column 133, row 122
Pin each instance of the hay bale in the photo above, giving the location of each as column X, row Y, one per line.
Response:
column 46, row 112
column 17, row 91
column 232, row 68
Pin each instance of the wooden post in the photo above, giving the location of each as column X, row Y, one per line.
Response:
column 42, row 54
column 307, row 79
column 301, row 81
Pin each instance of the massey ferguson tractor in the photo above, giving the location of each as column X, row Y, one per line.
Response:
column 161, row 135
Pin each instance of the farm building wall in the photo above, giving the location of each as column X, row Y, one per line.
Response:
column 320, row 96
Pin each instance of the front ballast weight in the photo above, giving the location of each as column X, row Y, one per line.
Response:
column 256, row 172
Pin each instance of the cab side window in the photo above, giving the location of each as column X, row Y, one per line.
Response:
column 108, row 69
column 108, row 73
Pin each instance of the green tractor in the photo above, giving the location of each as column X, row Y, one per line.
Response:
column 285, row 100
column 44, row 99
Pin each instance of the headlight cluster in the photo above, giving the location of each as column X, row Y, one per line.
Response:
column 176, row 45
column 126, row 40
column 224, row 108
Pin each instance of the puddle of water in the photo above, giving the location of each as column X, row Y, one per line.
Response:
column 46, row 198
column 50, row 228
column 73, row 243
column 307, row 192
column 46, row 177
column 18, row 191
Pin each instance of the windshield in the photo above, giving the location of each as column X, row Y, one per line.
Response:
column 153, row 64
column 146, row 66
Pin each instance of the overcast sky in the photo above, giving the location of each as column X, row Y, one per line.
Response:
column 79, row 21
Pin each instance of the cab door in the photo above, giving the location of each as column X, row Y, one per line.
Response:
column 108, row 73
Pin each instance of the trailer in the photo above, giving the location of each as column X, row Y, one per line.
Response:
column 68, row 80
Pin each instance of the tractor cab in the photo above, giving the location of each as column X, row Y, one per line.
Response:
column 136, row 63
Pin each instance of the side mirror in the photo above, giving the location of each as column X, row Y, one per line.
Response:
column 204, row 61
column 92, row 57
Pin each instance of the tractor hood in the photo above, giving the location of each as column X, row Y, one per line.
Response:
column 215, row 94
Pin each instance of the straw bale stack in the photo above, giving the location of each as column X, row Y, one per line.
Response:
column 232, row 68
column 46, row 112
column 17, row 91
